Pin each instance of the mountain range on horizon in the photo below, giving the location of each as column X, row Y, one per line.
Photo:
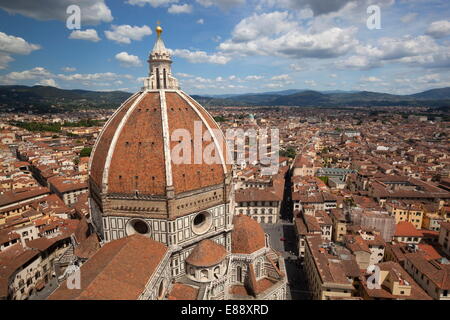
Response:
column 281, row 93
column 42, row 99
column 439, row 97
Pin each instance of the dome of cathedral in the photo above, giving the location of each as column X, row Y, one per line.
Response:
column 247, row 236
column 207, row 253
column 134, row 151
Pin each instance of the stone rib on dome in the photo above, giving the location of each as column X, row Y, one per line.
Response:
column 206, row 254
column 105, row 137
column 247, row 236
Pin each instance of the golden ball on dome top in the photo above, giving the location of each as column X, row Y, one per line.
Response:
column 159, row 30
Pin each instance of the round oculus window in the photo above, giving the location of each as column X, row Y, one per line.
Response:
column 202, row 222
column 138, row 226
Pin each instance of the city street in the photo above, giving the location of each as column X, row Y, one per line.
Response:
column 296, row 278
column 46, row 291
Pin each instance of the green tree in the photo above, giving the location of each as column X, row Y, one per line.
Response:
column 85, row 152
column 220, row 119
column 324, row 179
column 289, row 152
column 37, row 126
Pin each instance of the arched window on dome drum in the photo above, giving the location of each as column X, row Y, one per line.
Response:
column 258, row 269
column 204, row 274
column 158, row 84
column 161, row 290
column 216, row 272
column 165, row 79
column 239, row 273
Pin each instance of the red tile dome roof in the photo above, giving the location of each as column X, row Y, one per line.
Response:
column 133, row 151
column 206, row 254
column 247, row 236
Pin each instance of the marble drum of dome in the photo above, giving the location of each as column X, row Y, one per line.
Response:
column 136, row 187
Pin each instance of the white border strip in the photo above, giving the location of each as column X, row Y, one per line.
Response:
column 104, row 129
column 166, row 138
column 114, row 141
column 182, row 95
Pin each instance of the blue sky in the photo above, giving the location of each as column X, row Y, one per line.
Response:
column 229, row 46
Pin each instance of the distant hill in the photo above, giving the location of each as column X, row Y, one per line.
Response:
column 43, row 99
column 309, row 98
column 51, row 99
column 443, row 93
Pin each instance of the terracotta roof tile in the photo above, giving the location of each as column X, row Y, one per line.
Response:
column 118, row 271
column 206, row 253
column 181, row 291
column 406, row 229
column 247, row 235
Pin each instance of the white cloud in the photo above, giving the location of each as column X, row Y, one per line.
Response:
column 216, row 38
column 273, row 85
column 330, row 43
column 4, row 60
column 356, row 62
column 45, row 77
column 296, row 67
column 391, row 49
column 48, row 82
column 153, row 3
column 88, row 34
column 126, row 33
column 106, row 76
column 189, row 82
column 201, row 56
column 429, row 78
column 325, row 7
column 16, row 45
column 200, row 21
column 281, row 77
column 333, row 75
column 421, row 83
column 439, row 29
column 253, row 77
column 128, row 60
column 439, row 59
column 421, row 50
column 177, row 9
column 93, row 11
column 223, row 4
column 408, row 17
column 184, row 75
column 276, row 34
column 16, row 77
column 265, row 24
column 370, row 79
column 68, row 69
column 282, row 80
column 311, row 83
